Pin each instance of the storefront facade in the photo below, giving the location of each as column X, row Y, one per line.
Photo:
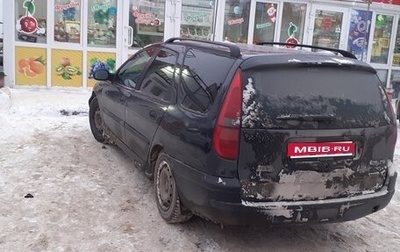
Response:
column 59, row 43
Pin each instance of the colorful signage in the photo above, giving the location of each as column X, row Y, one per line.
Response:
column 395, row 2
column 292, row 29
column 63, row 7
column 99, row 60
column 66, row 68
column 358, row 39
column 30, row 65
column 30, row 28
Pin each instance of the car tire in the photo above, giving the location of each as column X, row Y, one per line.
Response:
column 167, row 197
column 96, row 121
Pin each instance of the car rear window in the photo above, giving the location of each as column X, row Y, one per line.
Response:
column 313, row 97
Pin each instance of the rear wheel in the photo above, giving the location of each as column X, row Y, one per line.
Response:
column 168, row 201
column 96, row 121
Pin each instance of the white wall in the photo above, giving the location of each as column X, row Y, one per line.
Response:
column 1, row 18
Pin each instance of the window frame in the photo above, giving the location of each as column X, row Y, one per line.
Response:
column 171, row 87
column 117, row 78
column 183, row 91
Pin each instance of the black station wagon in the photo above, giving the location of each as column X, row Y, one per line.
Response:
column 244, row 134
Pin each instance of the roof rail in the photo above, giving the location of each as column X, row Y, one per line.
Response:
column 342, row 52
column 234, row 49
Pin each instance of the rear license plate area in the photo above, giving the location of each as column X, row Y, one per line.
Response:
column 301, row 150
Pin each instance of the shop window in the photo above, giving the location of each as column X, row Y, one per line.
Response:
column 67, row 21
column 236, row 24
column 197, row 19
column 358, row 39
column 381, row 39
column 327, row 28
column 265, row 22
column 31, row 23
column 102, row 22
column 395, row 83
column 396, row 53
column 293, row 19
column 382, row 75
column 146, row 20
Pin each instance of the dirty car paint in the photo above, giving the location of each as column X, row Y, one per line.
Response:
column 266, row 173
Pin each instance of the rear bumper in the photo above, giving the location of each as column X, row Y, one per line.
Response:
column 218, row 199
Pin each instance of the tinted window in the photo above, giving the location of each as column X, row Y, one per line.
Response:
column 158, row 80
column 201, row 76
column 130, row 73
column 320, row 97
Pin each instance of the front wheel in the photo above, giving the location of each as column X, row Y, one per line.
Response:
column 167, row 198
column 96, row 121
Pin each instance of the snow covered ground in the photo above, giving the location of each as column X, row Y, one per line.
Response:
column 90, row 197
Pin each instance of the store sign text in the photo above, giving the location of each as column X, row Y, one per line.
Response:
column 63, row 7
column 262, row 26
column 198, row 17
column 145, row 18
column 236, row 21
column 103, row 7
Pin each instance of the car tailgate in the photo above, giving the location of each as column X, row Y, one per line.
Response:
column 313, row 133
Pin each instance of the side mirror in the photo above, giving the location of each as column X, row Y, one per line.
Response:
column 101, row 75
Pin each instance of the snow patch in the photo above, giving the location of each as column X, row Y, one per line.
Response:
column 39, row 104
column 391, row 168
column 311, row 185
column 220, row 181
column 250, row 108
column 343, row 61
column 5, row 98
column 276, row 210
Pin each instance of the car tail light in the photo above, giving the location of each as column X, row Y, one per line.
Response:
column 226, row 132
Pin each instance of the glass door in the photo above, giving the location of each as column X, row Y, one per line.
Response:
column 328, row 26
column 382, row 35
column 263, row 21
column 146, row 22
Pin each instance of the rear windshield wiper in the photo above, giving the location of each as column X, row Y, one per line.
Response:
column 300, row 117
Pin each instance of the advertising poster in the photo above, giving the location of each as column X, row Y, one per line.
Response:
column 31, row 22
column 358, row 41
column 99, row 60
column 66, row 68
column 30, row 65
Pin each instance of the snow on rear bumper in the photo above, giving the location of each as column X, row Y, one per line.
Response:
column 308, row 212
column 218, row 199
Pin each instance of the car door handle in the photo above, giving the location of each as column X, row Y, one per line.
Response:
column 153, row 114
column 122, row 99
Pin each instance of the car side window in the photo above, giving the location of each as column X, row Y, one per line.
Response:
column 201, row 77
column 159, row 78
column 130, row 74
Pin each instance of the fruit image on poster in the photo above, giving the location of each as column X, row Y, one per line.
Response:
column 30, row 22
column 30, row 65
column 99, row 60
column 66, row 68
